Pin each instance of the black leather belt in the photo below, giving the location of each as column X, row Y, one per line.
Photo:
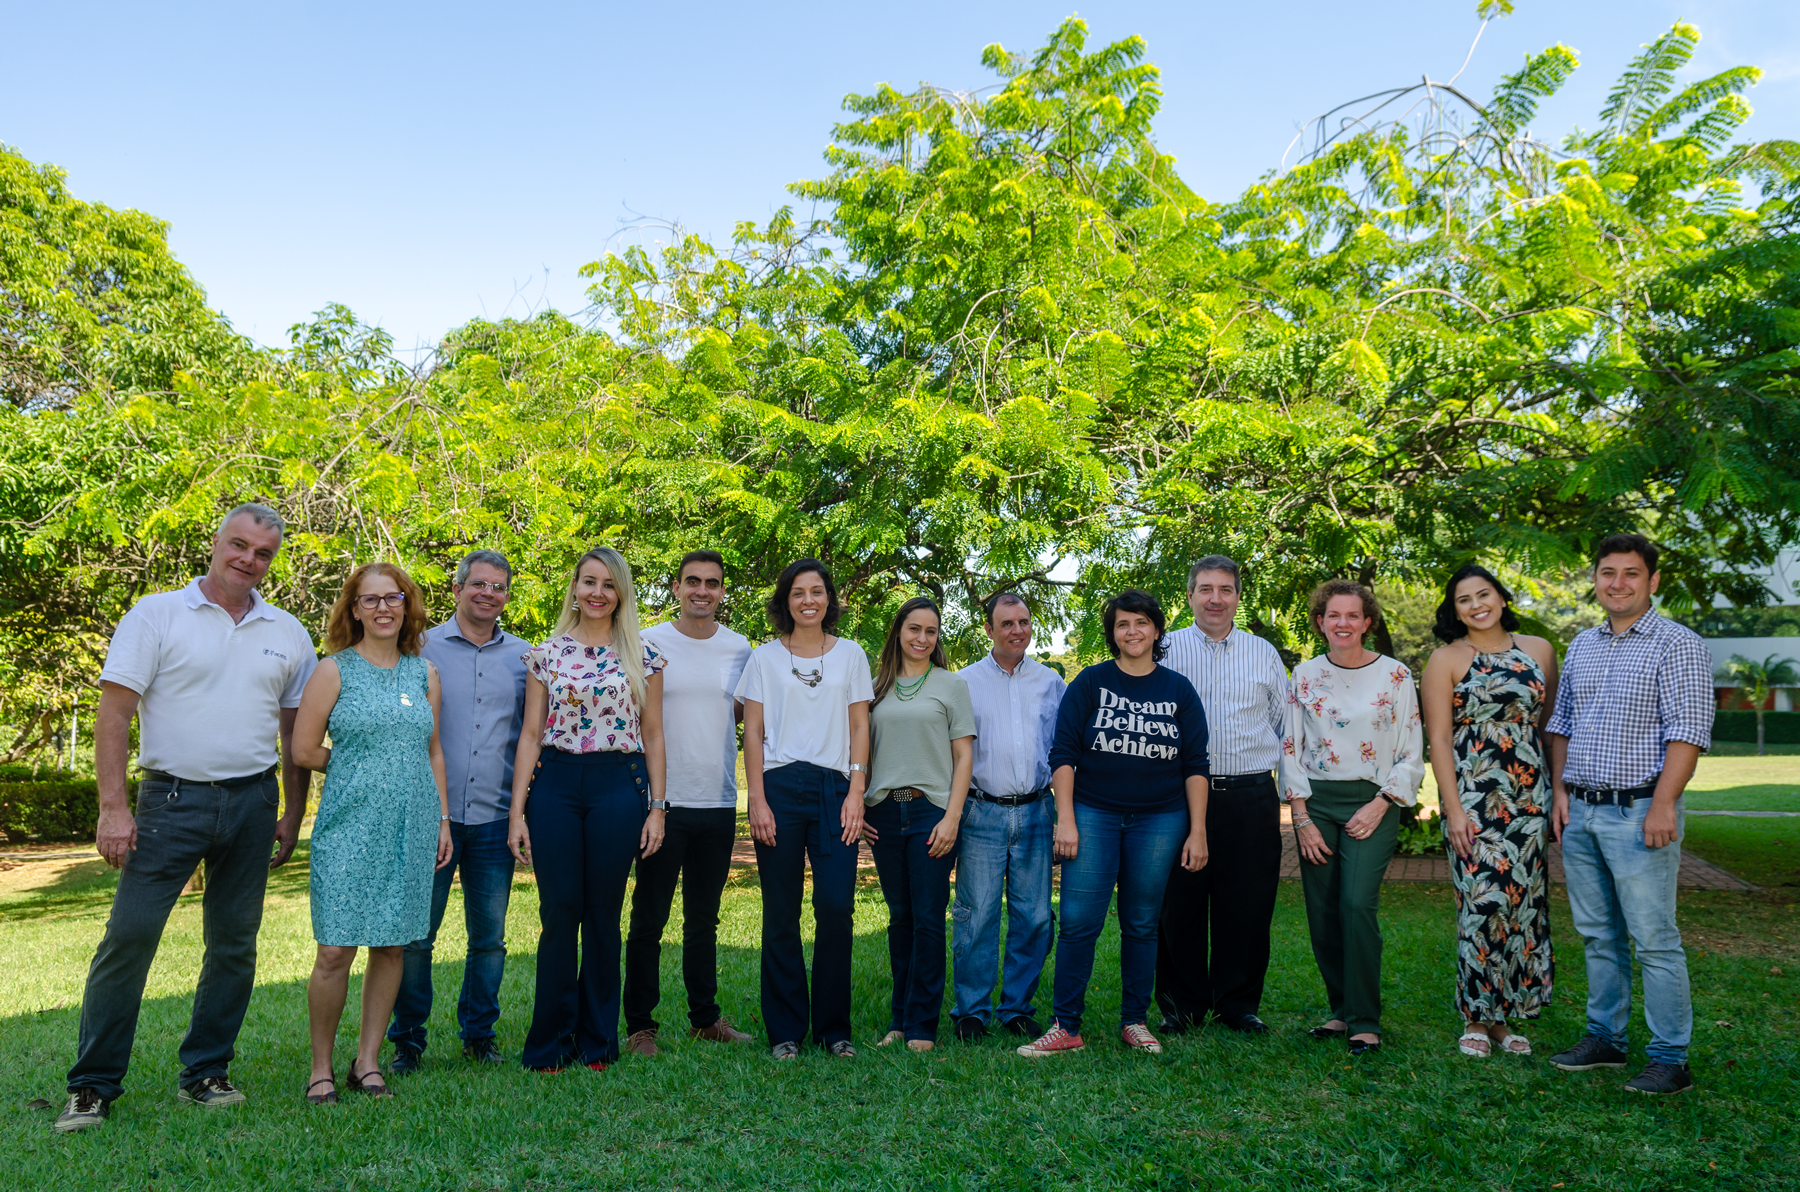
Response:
column 226, row 783
column 1234, row 782
column 1614, row 798
column 1010, row 800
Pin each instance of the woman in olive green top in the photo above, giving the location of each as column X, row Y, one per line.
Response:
column 922, row 733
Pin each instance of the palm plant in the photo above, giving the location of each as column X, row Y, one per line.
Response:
column 1754, row 680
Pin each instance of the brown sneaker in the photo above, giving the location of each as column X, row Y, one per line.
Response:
column 719, row 1032
column 641, row 1043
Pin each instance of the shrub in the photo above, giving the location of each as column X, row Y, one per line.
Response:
column 1420, row 836
column 18, row 773
column 1782, row 728
column 62, row 810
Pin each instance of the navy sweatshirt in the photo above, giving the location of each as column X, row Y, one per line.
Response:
column 1132, row 740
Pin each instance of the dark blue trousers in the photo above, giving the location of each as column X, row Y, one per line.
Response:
column 586, row 813
column 806, row 801
column 481, row 853
column 917, row 888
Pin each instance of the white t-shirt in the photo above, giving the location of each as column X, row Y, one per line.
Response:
column 801, row 723
column 210, row 689
column 699, row 713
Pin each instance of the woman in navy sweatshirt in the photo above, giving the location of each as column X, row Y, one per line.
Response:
column 1129, row 771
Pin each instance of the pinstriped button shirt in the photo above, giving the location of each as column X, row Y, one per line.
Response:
column 1623, row 697
column 1243, row 688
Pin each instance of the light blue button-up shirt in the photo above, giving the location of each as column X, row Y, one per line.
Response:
column 482, row 690
column 1015, row 722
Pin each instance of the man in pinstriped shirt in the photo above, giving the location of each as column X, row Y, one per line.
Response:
column 1634, row 711
column 1229, row 904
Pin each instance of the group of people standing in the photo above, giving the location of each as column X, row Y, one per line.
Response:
column 1155, row 780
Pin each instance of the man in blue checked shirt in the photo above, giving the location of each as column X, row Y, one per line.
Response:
column 1633, row 713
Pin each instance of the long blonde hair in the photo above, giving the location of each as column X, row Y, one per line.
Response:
column 625, row 643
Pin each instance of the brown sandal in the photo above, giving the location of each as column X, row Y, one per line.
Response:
column 330, row 1098
column 355, row 1083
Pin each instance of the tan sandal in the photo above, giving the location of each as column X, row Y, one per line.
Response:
column 892, row 1037
column 1476, row 1044
column 920, row 1044
column 1515, row 1044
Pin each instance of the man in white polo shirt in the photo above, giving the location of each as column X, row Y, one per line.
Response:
column 213, row 674
column 700, row 715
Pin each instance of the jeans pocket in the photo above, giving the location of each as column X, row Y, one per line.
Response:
column 270, row 790
column 154, row 796
column 960, row 937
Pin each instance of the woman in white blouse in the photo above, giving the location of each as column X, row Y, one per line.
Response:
column 1353, row 755
column 806, row 757
column 587, row 802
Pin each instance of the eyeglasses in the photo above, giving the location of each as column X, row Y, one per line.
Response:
column 392, row 600
column 482, row 585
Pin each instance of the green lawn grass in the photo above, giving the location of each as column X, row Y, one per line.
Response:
column 1215, row 1111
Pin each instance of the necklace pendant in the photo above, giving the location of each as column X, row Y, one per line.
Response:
column 406, row 699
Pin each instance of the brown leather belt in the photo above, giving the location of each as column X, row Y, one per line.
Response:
column 906, row 794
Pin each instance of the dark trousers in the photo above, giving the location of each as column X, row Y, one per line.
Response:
column 696, row 852
column 1212, row 946
column 481, row 853
column 806, row 801
column 1343, row 901
column 917, row 888
column 586, row 813
column 181, row 825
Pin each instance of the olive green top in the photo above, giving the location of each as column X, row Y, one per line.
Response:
column 909, row 739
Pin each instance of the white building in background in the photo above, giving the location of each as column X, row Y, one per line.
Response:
column 1784, row 582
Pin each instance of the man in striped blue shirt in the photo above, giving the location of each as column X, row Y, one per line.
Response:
column 1633, row 713
column 1229, row 904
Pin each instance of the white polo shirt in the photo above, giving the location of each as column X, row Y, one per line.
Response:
column 211, row 689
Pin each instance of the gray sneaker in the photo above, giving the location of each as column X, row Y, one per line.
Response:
column 86, row 1110
column 1588, row 1054
column 213, row 1092
column 1657, row 1079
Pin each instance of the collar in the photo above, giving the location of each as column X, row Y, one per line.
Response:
column 1210, row 643
column 1025, row 664
column 193, row 597
column 451, row 629
column 1644, row 624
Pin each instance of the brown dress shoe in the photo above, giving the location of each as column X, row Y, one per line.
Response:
column 641, row 1043
column 719, row 1032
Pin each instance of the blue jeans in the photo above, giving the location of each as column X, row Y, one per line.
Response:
column 1002, row 848
column 916, row 886
column 181, row 825
column 1622, row 892
column 806, row 801
column 1134, row 852
column 480, row 851
column 586, row 814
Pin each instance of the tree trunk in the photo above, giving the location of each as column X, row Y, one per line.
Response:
column 1760, row 751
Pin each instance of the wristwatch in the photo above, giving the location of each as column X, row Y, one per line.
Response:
column 659, row 804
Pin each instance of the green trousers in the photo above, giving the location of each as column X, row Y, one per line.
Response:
column 1342, row 898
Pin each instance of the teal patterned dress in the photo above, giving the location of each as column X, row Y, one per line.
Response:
column 1504, row 965
column 374, row 843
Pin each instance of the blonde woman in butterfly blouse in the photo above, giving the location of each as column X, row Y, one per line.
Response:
column 587, row 802
column 1351, row 758
column 922, row 726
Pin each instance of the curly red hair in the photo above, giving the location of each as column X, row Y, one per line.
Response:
column 343, row 630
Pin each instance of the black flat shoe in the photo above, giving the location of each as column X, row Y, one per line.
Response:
column 326, row 1098
column 1325, row 1032
column 1247, row 1024
column 1363, row 1046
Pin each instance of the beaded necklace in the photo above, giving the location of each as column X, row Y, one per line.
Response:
column 903, row 692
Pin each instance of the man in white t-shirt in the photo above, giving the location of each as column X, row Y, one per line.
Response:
column 213, row 675
column 700, row 718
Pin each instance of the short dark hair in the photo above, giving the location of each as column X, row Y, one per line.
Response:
column 999, row 598
column 699, row 556
column 1136, row 600
column 781, row 618
column 1629, row 544
column 492, row 558
column 1321, row 596
column 1448, row 626
column 1216, row 563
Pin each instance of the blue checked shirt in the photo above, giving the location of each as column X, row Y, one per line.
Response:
column 1624, row 697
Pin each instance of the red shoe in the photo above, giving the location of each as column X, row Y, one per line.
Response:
column 1054, row 1041
column 1138, row 1037
column 597, row 1066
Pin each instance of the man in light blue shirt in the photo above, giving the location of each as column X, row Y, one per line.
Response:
column 481, row 674
column 1007, row 829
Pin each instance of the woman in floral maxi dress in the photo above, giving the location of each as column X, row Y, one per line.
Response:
column 1487, row 694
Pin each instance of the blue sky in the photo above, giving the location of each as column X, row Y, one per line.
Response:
column 430, row 163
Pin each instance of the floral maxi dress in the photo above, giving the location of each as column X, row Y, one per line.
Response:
column 1504, row 963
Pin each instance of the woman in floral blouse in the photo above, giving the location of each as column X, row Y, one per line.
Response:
column 587, row 801
column 1351, row 758
column 1488, row 693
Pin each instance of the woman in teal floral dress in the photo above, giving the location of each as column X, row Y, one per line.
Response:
column 383, row 822
column 1487, row 695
